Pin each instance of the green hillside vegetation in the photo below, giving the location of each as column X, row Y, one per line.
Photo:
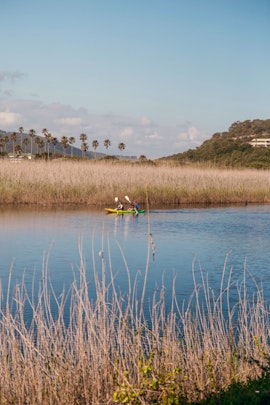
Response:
column 232, row 148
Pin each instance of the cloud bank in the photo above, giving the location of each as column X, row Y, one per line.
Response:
column 141, row 135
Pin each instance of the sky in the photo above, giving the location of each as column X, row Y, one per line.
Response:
column 161, row 76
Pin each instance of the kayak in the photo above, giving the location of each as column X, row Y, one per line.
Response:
column 116, row 211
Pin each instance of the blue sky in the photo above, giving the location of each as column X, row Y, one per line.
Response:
column 159, row 75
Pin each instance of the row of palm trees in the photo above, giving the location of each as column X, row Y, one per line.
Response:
column 43, row 144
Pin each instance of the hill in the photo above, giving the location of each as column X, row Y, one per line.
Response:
column 232, row 148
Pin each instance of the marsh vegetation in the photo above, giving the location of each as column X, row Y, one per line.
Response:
column 96, row 183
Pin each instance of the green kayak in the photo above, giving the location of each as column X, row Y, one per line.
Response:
column 116, row 211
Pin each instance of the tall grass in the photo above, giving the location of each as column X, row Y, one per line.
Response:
column 97, row 183
column 109, row 351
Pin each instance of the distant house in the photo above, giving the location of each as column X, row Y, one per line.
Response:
column 264, row 142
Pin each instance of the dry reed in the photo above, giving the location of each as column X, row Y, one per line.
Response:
column 97, row 183
column 108, row 351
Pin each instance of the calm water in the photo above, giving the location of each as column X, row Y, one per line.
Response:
column 183, row 238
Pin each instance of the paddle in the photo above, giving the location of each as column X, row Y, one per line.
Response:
column 116, row 200
column 127, row 198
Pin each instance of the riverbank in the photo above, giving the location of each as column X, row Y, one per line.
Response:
column 95, row 183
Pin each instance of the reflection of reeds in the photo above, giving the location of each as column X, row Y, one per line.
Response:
column 97, row 183
column 107, row 350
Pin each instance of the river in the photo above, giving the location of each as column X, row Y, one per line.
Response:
column 167, row 244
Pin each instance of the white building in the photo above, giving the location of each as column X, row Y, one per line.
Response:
column 265, row 142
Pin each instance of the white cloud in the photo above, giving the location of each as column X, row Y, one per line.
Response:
column 69, row 121
column 145, row 121
column 127, row 133
column 189, row 139
column 8, row 119
column 141, row 137
column 153, row 136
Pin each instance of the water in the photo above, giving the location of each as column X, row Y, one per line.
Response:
column 182, row 240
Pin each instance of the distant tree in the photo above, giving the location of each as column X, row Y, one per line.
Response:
column 21, row 137
column 18, row 150
column 32, row 134
column 48, row 138
column 83, row 138
column 121, row 147
column 6, row 141
column 54, row 142
column 95, row 145
column 37, row 142
column 107, row 143
column 64, row 143
column 44, row 133
column 142, row 158
column 25, row 143
column 41, row 145
column 13, row 138
column 2, row 143
column 71, row 141
column 84, row 148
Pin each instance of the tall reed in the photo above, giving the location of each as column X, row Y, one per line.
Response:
column 107, row 350
column 97, row 183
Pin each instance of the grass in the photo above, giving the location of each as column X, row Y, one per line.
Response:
column 108, row 351
column 96, row 183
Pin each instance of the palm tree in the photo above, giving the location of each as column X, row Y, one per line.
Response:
column 48, row 138
column 6, row 141
column 41, row 144
column 84, row 148
column 107, row 143
column 21, row 132
column 13, row 138
column 1, row 143
column 71, row 141
column 64, row 143
column 95, row 145
column 83, row 138
column 54, row 142
column 121, row 146
column 32, row 134
column 25, row 143
column 18, row 149
column 37, row 142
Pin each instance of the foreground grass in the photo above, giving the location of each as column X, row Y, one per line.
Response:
column 97, row 183
column 109, row 351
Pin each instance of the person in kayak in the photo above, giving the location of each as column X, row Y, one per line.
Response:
column 120, row 206
column 134, row 206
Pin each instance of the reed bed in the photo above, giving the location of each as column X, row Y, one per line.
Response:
column 97, row 183
column 109, row 351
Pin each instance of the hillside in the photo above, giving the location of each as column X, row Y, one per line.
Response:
column 232, row 148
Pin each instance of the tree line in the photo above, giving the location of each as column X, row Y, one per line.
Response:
column 47, row 143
